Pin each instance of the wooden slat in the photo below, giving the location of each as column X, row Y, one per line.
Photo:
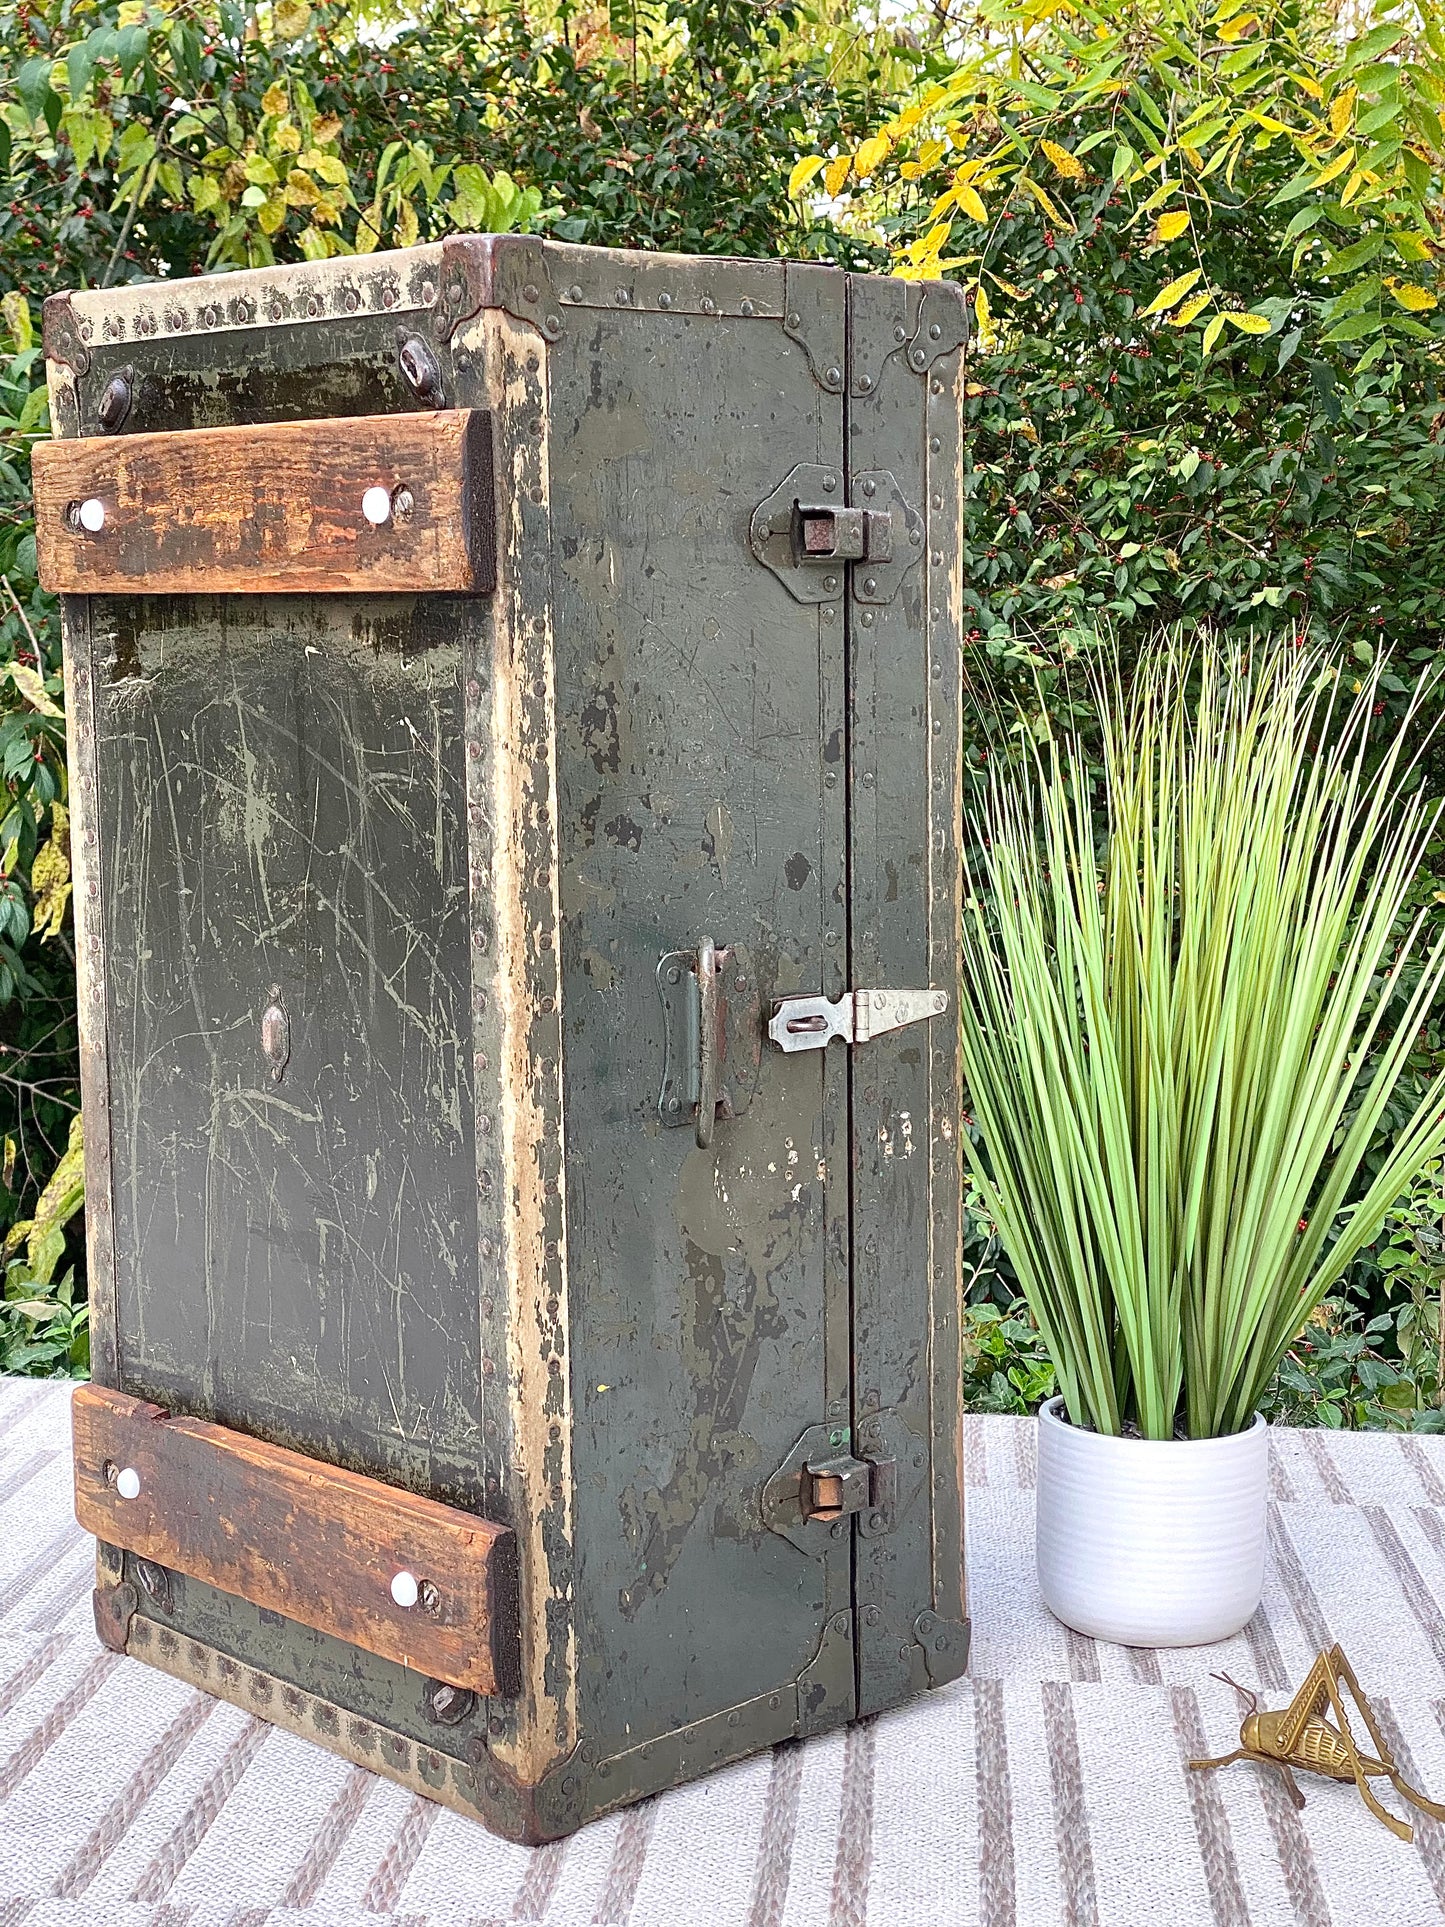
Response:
column 273, row 508
column 299, row 1537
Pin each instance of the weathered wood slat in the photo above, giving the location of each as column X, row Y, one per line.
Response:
column 317, row 1543
column 271, row 508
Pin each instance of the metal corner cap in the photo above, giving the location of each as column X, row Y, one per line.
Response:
column 60, row 333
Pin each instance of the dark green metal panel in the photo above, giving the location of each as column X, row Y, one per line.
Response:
column 282, row 813
column 698, row 706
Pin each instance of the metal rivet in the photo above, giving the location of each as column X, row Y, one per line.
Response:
column 529, row 292
column 830, row 482
column 405, row 1590
column 709, row 306
column 388, row 297
column 664, row 300
column 554, row 324
column 574, row 293
column 938, row 501
column 428, row 293
column 915, row 536
column 376, row 506
column 900, row 333
column 746, row 308
column 830, row 583
column 834, row 376
column 935, row 444
column 127, row 1483
column 938, row 388
column 870, row 487
column 313, row 306
column 935, row 333
column 402, row 503
column 796, row 321
column 865, row 382
column 919, row 358
column 867, row 618
column 870, row 584
column 937, row 558
column 623, row 296
column 840, row 1623
column 837, row 1531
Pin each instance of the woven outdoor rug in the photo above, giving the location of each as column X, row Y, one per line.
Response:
column 1048, row 1788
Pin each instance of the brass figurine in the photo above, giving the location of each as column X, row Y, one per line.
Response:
column 1299, row 1735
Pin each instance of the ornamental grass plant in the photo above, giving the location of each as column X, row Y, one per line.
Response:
column 1179, row 1047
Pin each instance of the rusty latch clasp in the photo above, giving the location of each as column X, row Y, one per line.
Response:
column 826, row 532
column 808, row 1023
column 835, row 1487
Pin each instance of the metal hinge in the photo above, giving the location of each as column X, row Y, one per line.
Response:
column 807, row 1023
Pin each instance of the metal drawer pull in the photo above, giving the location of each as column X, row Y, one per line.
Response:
column 808, row 1023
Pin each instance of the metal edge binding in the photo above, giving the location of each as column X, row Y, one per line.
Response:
column 60, row 331
column 506, row 271
column 945, row 1644
column 813, row 316
column 114, row 1608
column 346, row 287
column 531, row 1814
column 943, row 325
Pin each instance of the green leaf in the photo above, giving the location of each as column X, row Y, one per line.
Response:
column 1355, row 329
column 1346, row 260
column 1368, row 47
column 32, row 84
column 130, row 46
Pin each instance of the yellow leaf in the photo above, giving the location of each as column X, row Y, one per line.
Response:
column 908, row 119
column 271, row 214
column 1212, row 333
column 1171, row 225
column 803, row 172
column 1008, row 287
column 325, row 129
column 15, row 311
column 931, row 153
column 1353, row 185
column 1342, row 110
column 836, row 173
column 406, row 227
column 31, row 687
column 286, row 140
column 1174, row 291
column 1064, row 162
column 870, row 154
column 1248, row 324
column 291, row 18
column 1416, row 300
column 1027, row 182
column 987, row 334
column 275, row 100
column 301, row 190
column 1195, row 305
column 1240, row 25
column 368, row 229
column 1336, row 167
column 50, row 878
column 971, row 203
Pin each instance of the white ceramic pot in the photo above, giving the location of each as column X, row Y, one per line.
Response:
column 1151, row 1542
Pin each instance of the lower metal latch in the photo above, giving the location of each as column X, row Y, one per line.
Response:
column 807, row 1023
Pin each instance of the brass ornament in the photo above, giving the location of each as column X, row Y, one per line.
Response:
column 1300, row 1735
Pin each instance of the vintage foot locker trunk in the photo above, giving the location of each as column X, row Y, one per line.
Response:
column 514, row 708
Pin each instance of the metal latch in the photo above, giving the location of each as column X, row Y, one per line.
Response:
column 809, row 541
column 808, row 1023
column 835, row 1487
column 711, row 1035
column 828, row 533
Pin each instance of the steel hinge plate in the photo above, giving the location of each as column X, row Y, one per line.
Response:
column 810, row 1023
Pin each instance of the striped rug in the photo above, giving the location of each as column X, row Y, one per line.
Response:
column 1047, row 1790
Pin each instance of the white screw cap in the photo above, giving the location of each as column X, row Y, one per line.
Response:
column 375, row 506
column 404, row 1589
column 92, row 515
column 127, row 1482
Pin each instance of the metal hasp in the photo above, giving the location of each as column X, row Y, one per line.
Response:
column 805, row 538
column 808, row 1023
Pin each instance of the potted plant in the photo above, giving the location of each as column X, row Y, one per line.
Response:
column 1179, row 1048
